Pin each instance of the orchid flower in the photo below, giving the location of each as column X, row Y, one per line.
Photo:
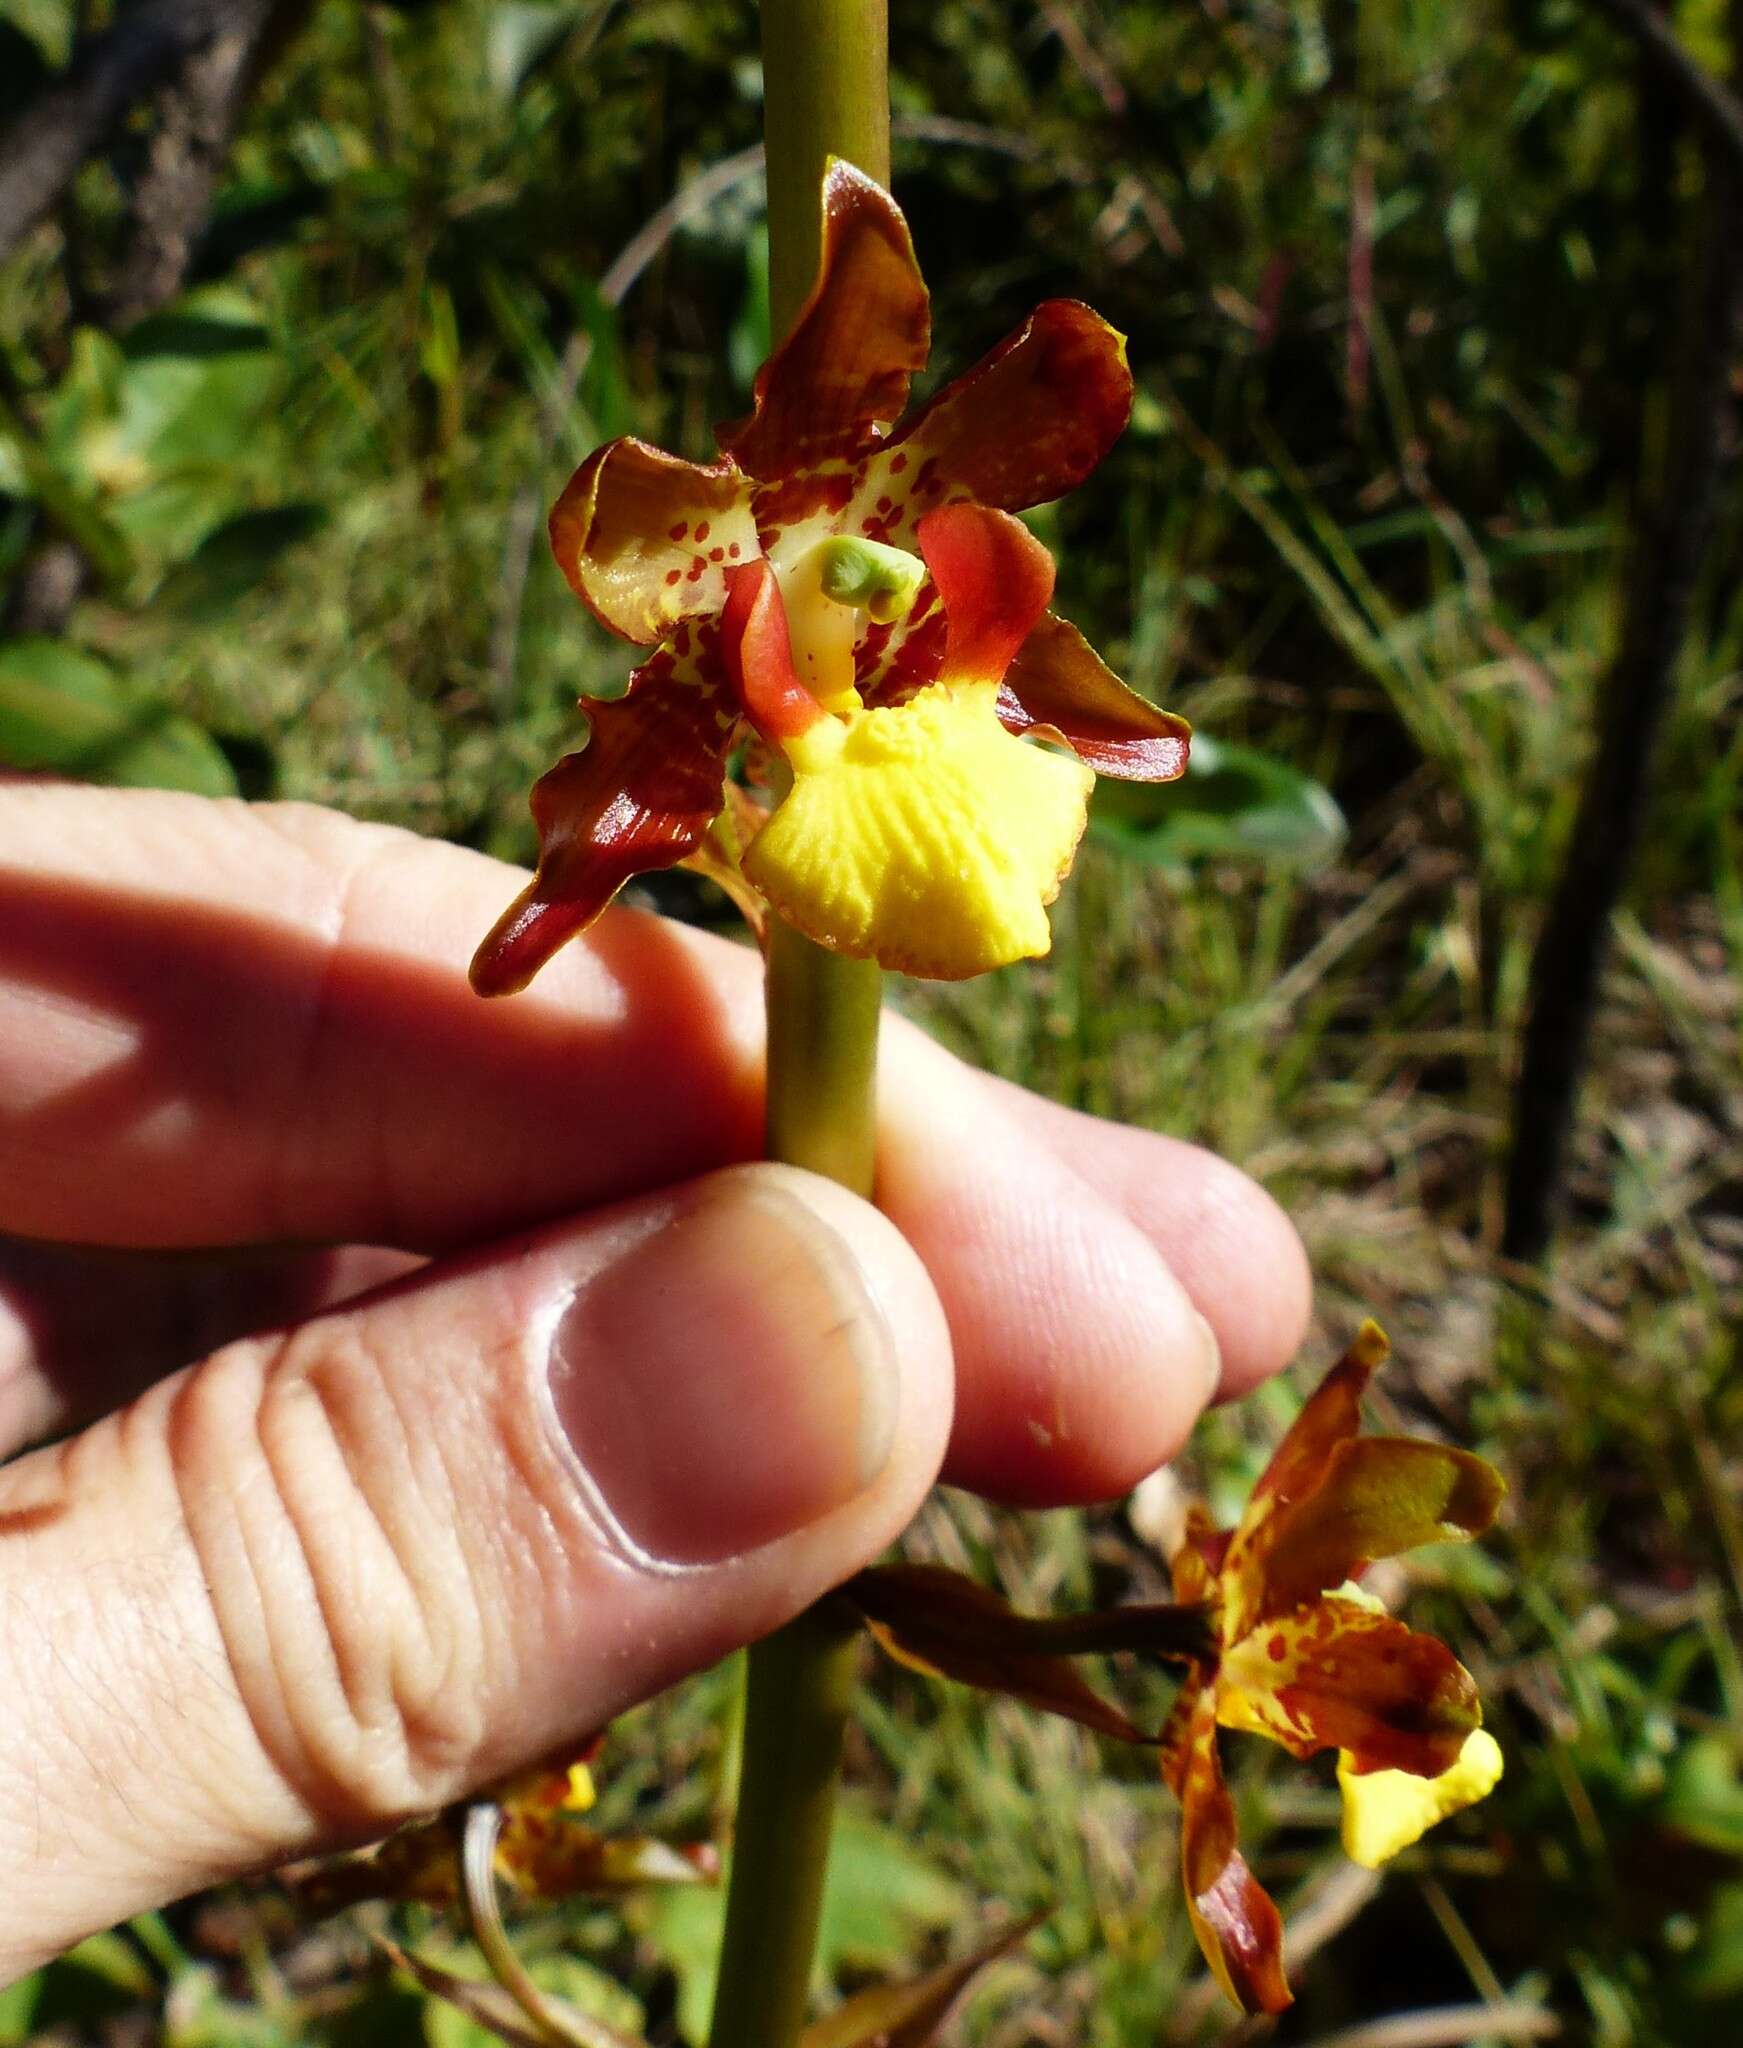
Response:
column 1304, row 1656
column 1276, row 1638
column 862, row 601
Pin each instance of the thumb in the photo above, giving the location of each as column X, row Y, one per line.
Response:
column 330, row 1579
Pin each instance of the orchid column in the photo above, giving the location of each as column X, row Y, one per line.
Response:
column 825, row 93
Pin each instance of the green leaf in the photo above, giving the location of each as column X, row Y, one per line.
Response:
column 1233, row 803
column 64, row 712
column 881, row 1897
column 1703, row 1795
column 234, row 558
column 909, row 2015
column 521, row 35
column 1715, row 1969
column 18, row 2003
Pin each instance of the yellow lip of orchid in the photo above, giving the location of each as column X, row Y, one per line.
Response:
column 922, row 834
column 1386, row 1811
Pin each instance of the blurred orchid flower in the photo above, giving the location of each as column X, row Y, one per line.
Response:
column 1277, row 1638
column 1303, row 1656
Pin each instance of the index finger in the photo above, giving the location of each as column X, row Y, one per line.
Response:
column 224, row 1024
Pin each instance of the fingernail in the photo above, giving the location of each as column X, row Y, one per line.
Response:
column 1210, row 1358
column 732, row 1379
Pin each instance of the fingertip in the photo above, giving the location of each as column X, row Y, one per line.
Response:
column 1081, row 1361
column 1225, row 1238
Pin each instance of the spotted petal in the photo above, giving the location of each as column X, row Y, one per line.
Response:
column 1331, row 1416
column 1380, row 1497
column 841, row 376
column 1238, row 1927
column 1058, row 679
column 1336, row 1675
column 639, row 796
column 1027, row 424
column 645, row 539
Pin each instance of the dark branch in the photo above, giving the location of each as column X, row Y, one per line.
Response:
column 1708, row 100
column 1672, row 529
column 41, row 155
column 197, row 115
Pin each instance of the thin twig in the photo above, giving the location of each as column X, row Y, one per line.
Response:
column 1448, row 2026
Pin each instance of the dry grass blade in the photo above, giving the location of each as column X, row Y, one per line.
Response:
column 491, row 2007
column 1448, row 2026
column 909, row 2015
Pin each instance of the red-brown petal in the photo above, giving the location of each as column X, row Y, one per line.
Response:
column 947, row 1625
column 1058, row 679
column 1238, row 1926
column 644, row 538
column 1380, row 1496
column 1197, row 1564
column 639, row 796
column 1331, row 1416
column 1335, row 1675
column 842, row 374
column 993, row 578
column 1031, row 420
column 758, row 652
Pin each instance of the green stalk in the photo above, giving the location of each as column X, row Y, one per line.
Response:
column 825, row 93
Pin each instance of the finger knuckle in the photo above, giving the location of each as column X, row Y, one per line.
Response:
column 332, row 1541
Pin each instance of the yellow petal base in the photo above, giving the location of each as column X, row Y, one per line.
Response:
column 923, row 835
column 1385, row 1811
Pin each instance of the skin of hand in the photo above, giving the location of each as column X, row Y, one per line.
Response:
column 435, row 1379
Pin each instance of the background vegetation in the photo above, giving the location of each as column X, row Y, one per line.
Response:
column 1404, row 285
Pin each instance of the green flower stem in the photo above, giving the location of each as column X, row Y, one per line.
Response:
column 826, row 93
column 823, row 1046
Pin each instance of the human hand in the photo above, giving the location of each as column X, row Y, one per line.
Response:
column 372, row 1553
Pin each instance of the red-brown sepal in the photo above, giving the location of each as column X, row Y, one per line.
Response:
column 1058, row 680
column 639, row 796
column 842, row 374
column 947, row 1625
column 1032, row 418
column 1239, row 1929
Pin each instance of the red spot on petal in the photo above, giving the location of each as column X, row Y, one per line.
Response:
column 678, row 532
column 672, row 575
column 885, row 507
column 898, row 463
column 696, row 569
column 732, row 552
column 702, row 532
column 717, row 554
column 1277, row 1649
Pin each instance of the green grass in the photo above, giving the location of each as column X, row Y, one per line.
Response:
column 1406, row 588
